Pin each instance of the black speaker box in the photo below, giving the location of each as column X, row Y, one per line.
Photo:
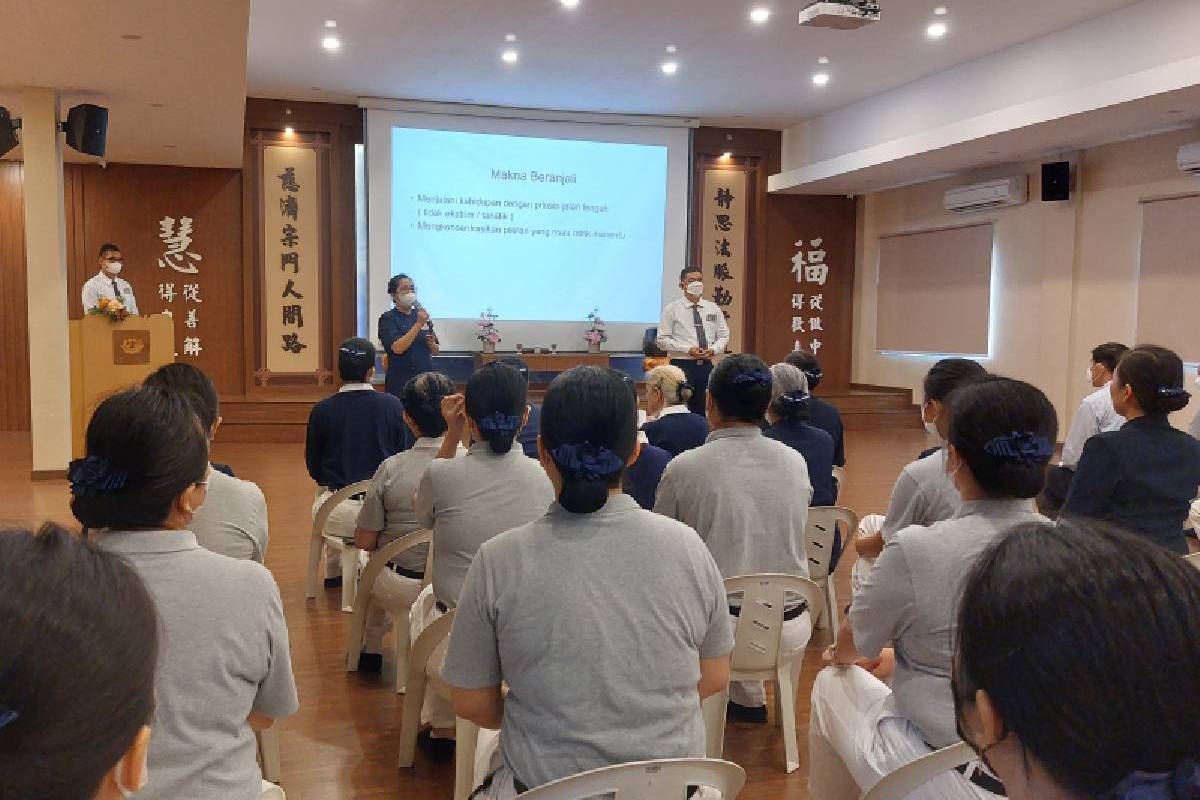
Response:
column 1056, row 181
column 87, row 129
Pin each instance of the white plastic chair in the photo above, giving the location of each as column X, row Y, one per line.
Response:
column 818, row 539
column 347, row 549
column 667, row 779
column 268, row 753
column 902, row 782
column 362, row 603
column 271, row 792
column 419, row 680
column 756, row 655
column 839, row 475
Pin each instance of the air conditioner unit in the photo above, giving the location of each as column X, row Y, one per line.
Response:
column 1001, row 193
column 1189, row 158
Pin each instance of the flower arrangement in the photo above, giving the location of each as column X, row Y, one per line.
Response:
column 488, row 333
column 113, row 309
column 596, row 335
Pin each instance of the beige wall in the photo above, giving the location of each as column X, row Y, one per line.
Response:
column 1064, row 276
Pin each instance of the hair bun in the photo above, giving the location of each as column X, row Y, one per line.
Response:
column 755, row 377
column 797, row 398
column 95, row 474
column 1026, row 447
column 499, row 424
column 586, row 461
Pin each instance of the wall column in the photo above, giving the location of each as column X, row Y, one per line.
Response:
column 46, row 269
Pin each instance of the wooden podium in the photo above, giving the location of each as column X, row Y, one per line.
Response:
column 107, row 356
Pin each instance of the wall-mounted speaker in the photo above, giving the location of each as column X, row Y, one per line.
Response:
column 87, row 129
column 1056, row 181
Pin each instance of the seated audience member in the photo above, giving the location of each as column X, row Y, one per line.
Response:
column 788, row 416
column 224, row 668
column 642, row 475
column 1143, row 477
column 672, row 426
column 466, row 501
column 924, row 493
column 389, row 510
column 747, row 496
column 1000, row 437
column 529, row 431
column 78, row 650
column 594, row 680
column 1066, row 637
column 233, row 519
column 349, row 435
column 822, row 414
column 1095, row 415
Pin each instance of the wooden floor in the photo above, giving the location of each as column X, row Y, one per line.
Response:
column 343, row 742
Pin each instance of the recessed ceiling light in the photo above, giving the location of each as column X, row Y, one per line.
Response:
column 941, row 11
column 822, row 60
column 672, row 48
column 331, row 44
column 510, row 37
column 820, row 78
column 936, row 30
column 760, row 14
column 509, row 56
column 331, row 23
column 569, row 3
column 289, row 130
column 670, row 67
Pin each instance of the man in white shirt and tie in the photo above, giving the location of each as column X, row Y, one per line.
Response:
column 106, row 284
column 692, row 331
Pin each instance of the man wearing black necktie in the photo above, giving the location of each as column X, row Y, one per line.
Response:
column 106, row 285
column 692, row 331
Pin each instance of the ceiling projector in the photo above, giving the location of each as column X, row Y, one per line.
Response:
column 845, row 15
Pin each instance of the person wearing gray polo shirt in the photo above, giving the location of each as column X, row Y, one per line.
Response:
column 747, row 496
column 1001, row 436
column 608, row 623
column 224, row 669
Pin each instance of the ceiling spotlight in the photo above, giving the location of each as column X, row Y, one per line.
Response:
column 820, row 78
column 289, row 130
column 331, row 44
column 936, row 30
column 331, row 23
column 941, row 11
column 822, row 60
column 760, row 14
column 510, row 37
column 569, row 3
column 672, row 48
column 509, row 56
column 669, row 67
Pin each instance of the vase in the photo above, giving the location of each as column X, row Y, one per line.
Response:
column 489, row 347
column 593, row 347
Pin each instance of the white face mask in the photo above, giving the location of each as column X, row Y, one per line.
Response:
column 409, row 299
column 695, row 288
column 113, row 267
column 1088, row 375
column 931, row 429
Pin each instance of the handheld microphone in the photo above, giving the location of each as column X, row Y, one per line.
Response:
column 428, row 322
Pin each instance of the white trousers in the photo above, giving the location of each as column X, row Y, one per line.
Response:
column 793, row 637
column 342, row 522
column 856, row 738
column 392, row 595
column 436, row 711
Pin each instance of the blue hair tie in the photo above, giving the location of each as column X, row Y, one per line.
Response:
column 1182, row 783
column 755, row 377
column 7, row 715
column 95, row 474
column 1173, row 392
column 586, row 461
column 499, row 423
column 1028, row 448
column 797, row 398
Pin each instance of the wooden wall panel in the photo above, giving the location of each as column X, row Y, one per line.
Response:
column 14, row 323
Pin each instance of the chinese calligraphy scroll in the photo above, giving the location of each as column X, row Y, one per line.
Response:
column 723, row 237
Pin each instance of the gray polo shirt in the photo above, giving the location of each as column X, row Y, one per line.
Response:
column 224, row 653
column 468, row 500
column 233, row 519
column 923, row 495
column 911, row 599
column 597, row 623
column 389, row 506
column 747, row 496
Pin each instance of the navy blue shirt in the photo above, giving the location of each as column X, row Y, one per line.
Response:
column 1142, row 478
column 350, row 434
column 413, row 361
column 817, row 448
column 677, row 433
column 528, row 435
column 641, row 480
column 824, row 416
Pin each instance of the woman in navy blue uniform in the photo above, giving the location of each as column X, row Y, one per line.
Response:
column 409, row 349
column 672, row 425
column 1144, row 476
column 788, row 416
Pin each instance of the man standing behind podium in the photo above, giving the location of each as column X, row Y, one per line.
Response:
column 407, row 335
column 106, row 284
column 692, row 331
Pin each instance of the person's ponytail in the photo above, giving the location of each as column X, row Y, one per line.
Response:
column 685, row 392
column 587, row 471
column 583, row 496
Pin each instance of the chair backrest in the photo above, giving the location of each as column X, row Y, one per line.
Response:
column 904, row 781
column 760, row 623
column 818, row 536
column 668, row 779
column 333, row 501
column 1194, row 560
column 383, row 555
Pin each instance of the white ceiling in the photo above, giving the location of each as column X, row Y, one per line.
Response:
column 191, row 59
column 605, row 55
